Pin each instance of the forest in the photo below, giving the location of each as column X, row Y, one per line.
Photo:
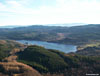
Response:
column 49, row 62
column 78, row 35
column 40, row 61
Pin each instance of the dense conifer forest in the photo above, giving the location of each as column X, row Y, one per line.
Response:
column 50, row 62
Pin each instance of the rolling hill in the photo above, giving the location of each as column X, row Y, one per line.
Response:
column 56, row 62
column 47, row 62
column 67, row 35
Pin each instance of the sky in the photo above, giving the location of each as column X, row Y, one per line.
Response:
column 30, row 12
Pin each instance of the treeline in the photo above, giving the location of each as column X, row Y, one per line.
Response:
column 53, row 62
column 56, row 62
column 6, row 46
column 68, row 35
column 89, row 51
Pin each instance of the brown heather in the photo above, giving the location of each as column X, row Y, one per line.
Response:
column 17, row 69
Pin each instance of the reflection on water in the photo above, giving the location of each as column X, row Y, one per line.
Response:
column 56, row 46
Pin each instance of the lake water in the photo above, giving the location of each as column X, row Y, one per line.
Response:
column 48, row 45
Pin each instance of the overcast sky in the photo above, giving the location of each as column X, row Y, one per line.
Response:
column 28, row 12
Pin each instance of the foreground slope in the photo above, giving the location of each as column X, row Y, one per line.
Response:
column 58, row 63
column 16, row 69
column 8, row 64
column 46, row 61
column 42, row 59
column 6, row 46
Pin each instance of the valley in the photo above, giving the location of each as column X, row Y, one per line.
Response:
column 50, row 51
column 49, row 37
column 76, row 35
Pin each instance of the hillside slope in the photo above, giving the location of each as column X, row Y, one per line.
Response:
column 8, row 64
column 17, row 69
column 46, row 61
column 67, row 35
column 58, row 63
column 6, row 46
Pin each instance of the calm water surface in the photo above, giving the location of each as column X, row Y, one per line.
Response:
column 56, row 46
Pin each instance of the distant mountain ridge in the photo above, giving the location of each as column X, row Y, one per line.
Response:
column 9, row 26
column 67, row 25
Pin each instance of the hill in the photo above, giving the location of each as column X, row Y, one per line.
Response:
column 8, row 64
column 16, row 69
column 6, row 46
column 90, row 51
column 77, row 35
column 46, row 61
column 52, row 62
column 42, row 59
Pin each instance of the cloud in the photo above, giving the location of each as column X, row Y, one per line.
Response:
column 13, row 3
column 61, row 6
column 2, row 5
column 50, row 11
